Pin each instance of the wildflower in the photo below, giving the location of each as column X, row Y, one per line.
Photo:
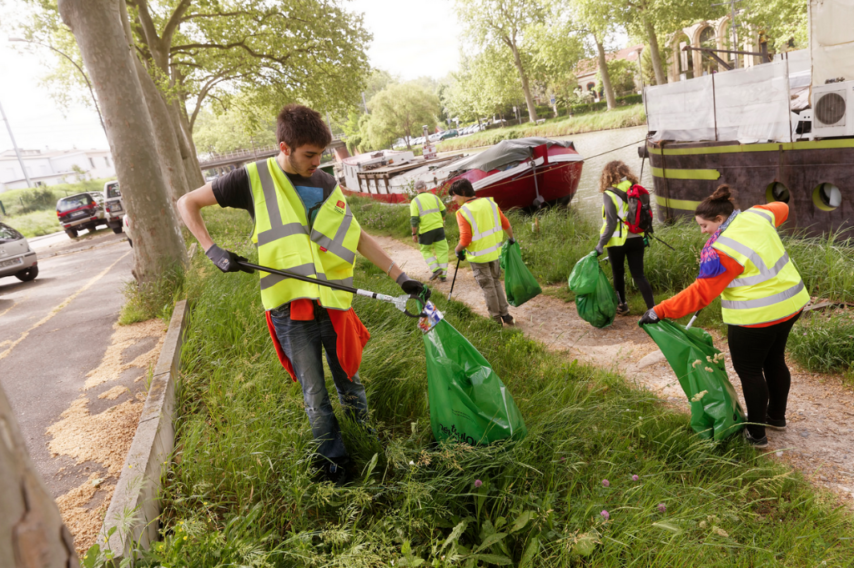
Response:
column 708, row 369
column 185, row 538
column 411, row 462
column 605, row 514
column 562, row 458
column 662, row 507
column 635, row 478
column 699, row 396
column 720, row 532
column 606, row 483
column 478, row 483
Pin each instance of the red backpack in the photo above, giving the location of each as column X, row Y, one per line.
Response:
column 639, row 218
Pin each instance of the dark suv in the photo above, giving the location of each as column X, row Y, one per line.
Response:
column 81, row 211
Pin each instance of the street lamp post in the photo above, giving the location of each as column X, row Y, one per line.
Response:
column 15, row 146
column 85, row 78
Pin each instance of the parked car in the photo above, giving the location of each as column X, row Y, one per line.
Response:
column 81, row 211
column 114, row 209
column 448, row 134
column 126, row 225
column 16, row 257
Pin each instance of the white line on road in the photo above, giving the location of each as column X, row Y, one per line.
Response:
column 59, row 308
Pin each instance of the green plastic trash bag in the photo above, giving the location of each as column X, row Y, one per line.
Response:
column 600, row 306
column 585, row 275
column 519, row 284
column 468, row 402
column 715, row 411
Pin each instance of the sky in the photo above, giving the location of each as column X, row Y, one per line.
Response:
column 400, row 46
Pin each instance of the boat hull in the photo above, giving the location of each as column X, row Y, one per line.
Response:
column 686, row 173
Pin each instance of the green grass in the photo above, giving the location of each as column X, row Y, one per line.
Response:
column 34, row 224
column 239, row 491
column 824, row 342
column 622, row 117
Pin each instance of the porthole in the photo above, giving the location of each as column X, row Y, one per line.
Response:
column 776, row 191
column 826, row 196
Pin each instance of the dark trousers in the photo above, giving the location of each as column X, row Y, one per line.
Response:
column 759, row 358
column 633, row 251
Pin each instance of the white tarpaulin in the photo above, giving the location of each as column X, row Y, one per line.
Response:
column 681, row 111
column 744, row 105
column 832, row 40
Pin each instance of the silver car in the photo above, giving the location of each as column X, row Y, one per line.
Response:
column 16, row 257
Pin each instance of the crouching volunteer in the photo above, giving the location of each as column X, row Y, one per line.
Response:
column 427, row 217
column 303, row 224
column 622, row 244
column 482, row 226
column 762, row 296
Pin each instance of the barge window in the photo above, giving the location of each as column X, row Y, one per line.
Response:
column 776, row 191
column 826, row 196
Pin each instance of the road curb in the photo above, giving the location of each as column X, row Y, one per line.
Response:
column 135, row 506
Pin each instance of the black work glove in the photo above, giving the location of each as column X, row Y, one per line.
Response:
column 413, row 287
column 226, row 260
column 461, row 254
column 511, row 241
column 649, row 316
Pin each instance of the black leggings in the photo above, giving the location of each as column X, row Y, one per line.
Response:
column 759, row 358
column 633, row 250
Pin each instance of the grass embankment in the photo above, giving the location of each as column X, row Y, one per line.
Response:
column 32, row 211
column 620, row 118
column 820, row 342
column 240, row 491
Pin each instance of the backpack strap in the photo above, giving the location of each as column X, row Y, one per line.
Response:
column 619, row 193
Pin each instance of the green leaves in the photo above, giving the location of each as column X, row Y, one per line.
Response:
column 400, row 110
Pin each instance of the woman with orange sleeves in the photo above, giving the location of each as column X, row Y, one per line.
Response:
column 762, row 296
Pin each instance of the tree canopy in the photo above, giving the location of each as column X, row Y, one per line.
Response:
column 400, row 110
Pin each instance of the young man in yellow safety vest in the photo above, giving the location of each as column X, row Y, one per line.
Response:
column 427, row 217
column 303, row 225
column 482, row 227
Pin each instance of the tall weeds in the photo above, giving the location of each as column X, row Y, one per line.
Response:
column 239, row 491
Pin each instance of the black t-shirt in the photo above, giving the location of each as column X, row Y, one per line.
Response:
column 234, row 189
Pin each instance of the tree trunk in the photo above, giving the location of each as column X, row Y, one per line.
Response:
column 606, row 79
column 165, row 137
column 654, row 53
column 98, row 29
column 31, row 530
column 529, row 100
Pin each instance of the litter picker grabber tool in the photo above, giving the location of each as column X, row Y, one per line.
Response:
column 693, row 319
column 454, row 280
column 662, row 242
column 398, row 301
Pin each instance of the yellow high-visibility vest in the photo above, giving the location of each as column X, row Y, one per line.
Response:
column 429, row 208
column 618, row 238
column 327, row 251
column 770, row 288
column 486, row 232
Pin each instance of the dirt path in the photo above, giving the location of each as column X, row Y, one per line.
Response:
column 820, row 437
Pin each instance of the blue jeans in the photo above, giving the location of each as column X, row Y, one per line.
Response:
column 301, row 342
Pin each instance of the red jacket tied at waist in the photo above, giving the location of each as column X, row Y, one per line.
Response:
column 352, row 336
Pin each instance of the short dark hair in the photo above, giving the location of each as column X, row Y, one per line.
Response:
column 720, row 203
column 461, row 187
column 298, row 125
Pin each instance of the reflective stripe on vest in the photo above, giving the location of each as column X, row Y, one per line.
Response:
column 282, row 235
column 770, row 288
column 487, row 236
column 430, row 219
column 620, row 234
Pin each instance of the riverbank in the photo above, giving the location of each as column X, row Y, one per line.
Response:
column 240, row 490
column 622, row 117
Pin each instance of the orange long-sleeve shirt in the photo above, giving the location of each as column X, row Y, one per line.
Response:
column 465, row 227
column 703, row 291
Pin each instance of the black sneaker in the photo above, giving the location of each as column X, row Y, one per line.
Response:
column 435, row 275
column 336, row 473
column 755, row 442
column 508, row 319
column 443, row 279
column 622, row 309
column 774, row 424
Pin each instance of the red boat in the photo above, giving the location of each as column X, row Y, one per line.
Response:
column 525, row 173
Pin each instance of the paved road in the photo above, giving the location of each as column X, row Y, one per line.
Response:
column 53, row 331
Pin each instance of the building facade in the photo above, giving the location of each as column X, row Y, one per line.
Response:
column 50, row 167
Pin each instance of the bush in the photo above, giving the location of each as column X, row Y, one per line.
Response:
column 824, row 343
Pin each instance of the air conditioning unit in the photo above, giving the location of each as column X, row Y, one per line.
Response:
column 833, row 109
